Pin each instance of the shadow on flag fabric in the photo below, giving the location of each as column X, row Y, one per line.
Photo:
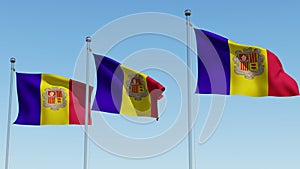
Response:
column 46, row 99
column 121, row 90
column 229, row 68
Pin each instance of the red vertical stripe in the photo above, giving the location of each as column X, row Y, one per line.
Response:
column 244, row 66
column 253, row 57
column 280, row 83
column 155, row 89
column 77, row 103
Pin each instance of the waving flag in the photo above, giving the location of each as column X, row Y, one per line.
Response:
column 121, row 90
column 46, row 99
column 228, row 68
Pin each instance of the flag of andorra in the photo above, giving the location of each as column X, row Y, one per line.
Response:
column 46, row 99
column 229, row 68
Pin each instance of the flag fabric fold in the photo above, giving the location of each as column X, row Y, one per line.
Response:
column 46, row 99
column 229, row 68
column 121, row 90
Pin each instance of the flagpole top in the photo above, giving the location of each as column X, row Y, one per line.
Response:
column 187, row 12
column 88, row 39
column 12, row 60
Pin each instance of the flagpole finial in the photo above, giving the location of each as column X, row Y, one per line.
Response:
column 187, row 12
column 88, row 39
column 12, row 60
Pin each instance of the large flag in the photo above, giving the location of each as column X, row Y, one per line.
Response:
column 121, row 90
column 228, row 68
column 46, row 99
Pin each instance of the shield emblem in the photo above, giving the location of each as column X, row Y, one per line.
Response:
column 136, row 87
column 54, row 98
column 248, row 62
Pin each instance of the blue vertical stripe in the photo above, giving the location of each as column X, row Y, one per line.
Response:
column 110, row 78
column 213, row 63
column 28, row 88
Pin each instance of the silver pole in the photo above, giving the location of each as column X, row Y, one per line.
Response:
column 189, row 63
column 85, row 160
column 12, row 61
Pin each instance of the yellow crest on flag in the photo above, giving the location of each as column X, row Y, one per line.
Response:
column 136, row 87
column 54, row 98
column 248, row 62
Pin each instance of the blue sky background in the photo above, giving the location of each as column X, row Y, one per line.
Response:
column 253, row 133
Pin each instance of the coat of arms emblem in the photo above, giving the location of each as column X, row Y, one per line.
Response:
column 54, row 98
column 248, row 62
column 136, row 87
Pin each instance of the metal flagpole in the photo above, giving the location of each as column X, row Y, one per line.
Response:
column 12, row 61
column 86, row 120
column 189, row 63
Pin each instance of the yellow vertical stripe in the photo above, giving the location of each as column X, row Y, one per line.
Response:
column 56, row 110
column 239, row 84
column 139, row 104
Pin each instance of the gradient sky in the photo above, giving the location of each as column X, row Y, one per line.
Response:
column 49, row 36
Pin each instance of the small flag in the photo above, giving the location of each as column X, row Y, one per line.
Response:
column 46, row 99
column 121, row 90
column 229, row 68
